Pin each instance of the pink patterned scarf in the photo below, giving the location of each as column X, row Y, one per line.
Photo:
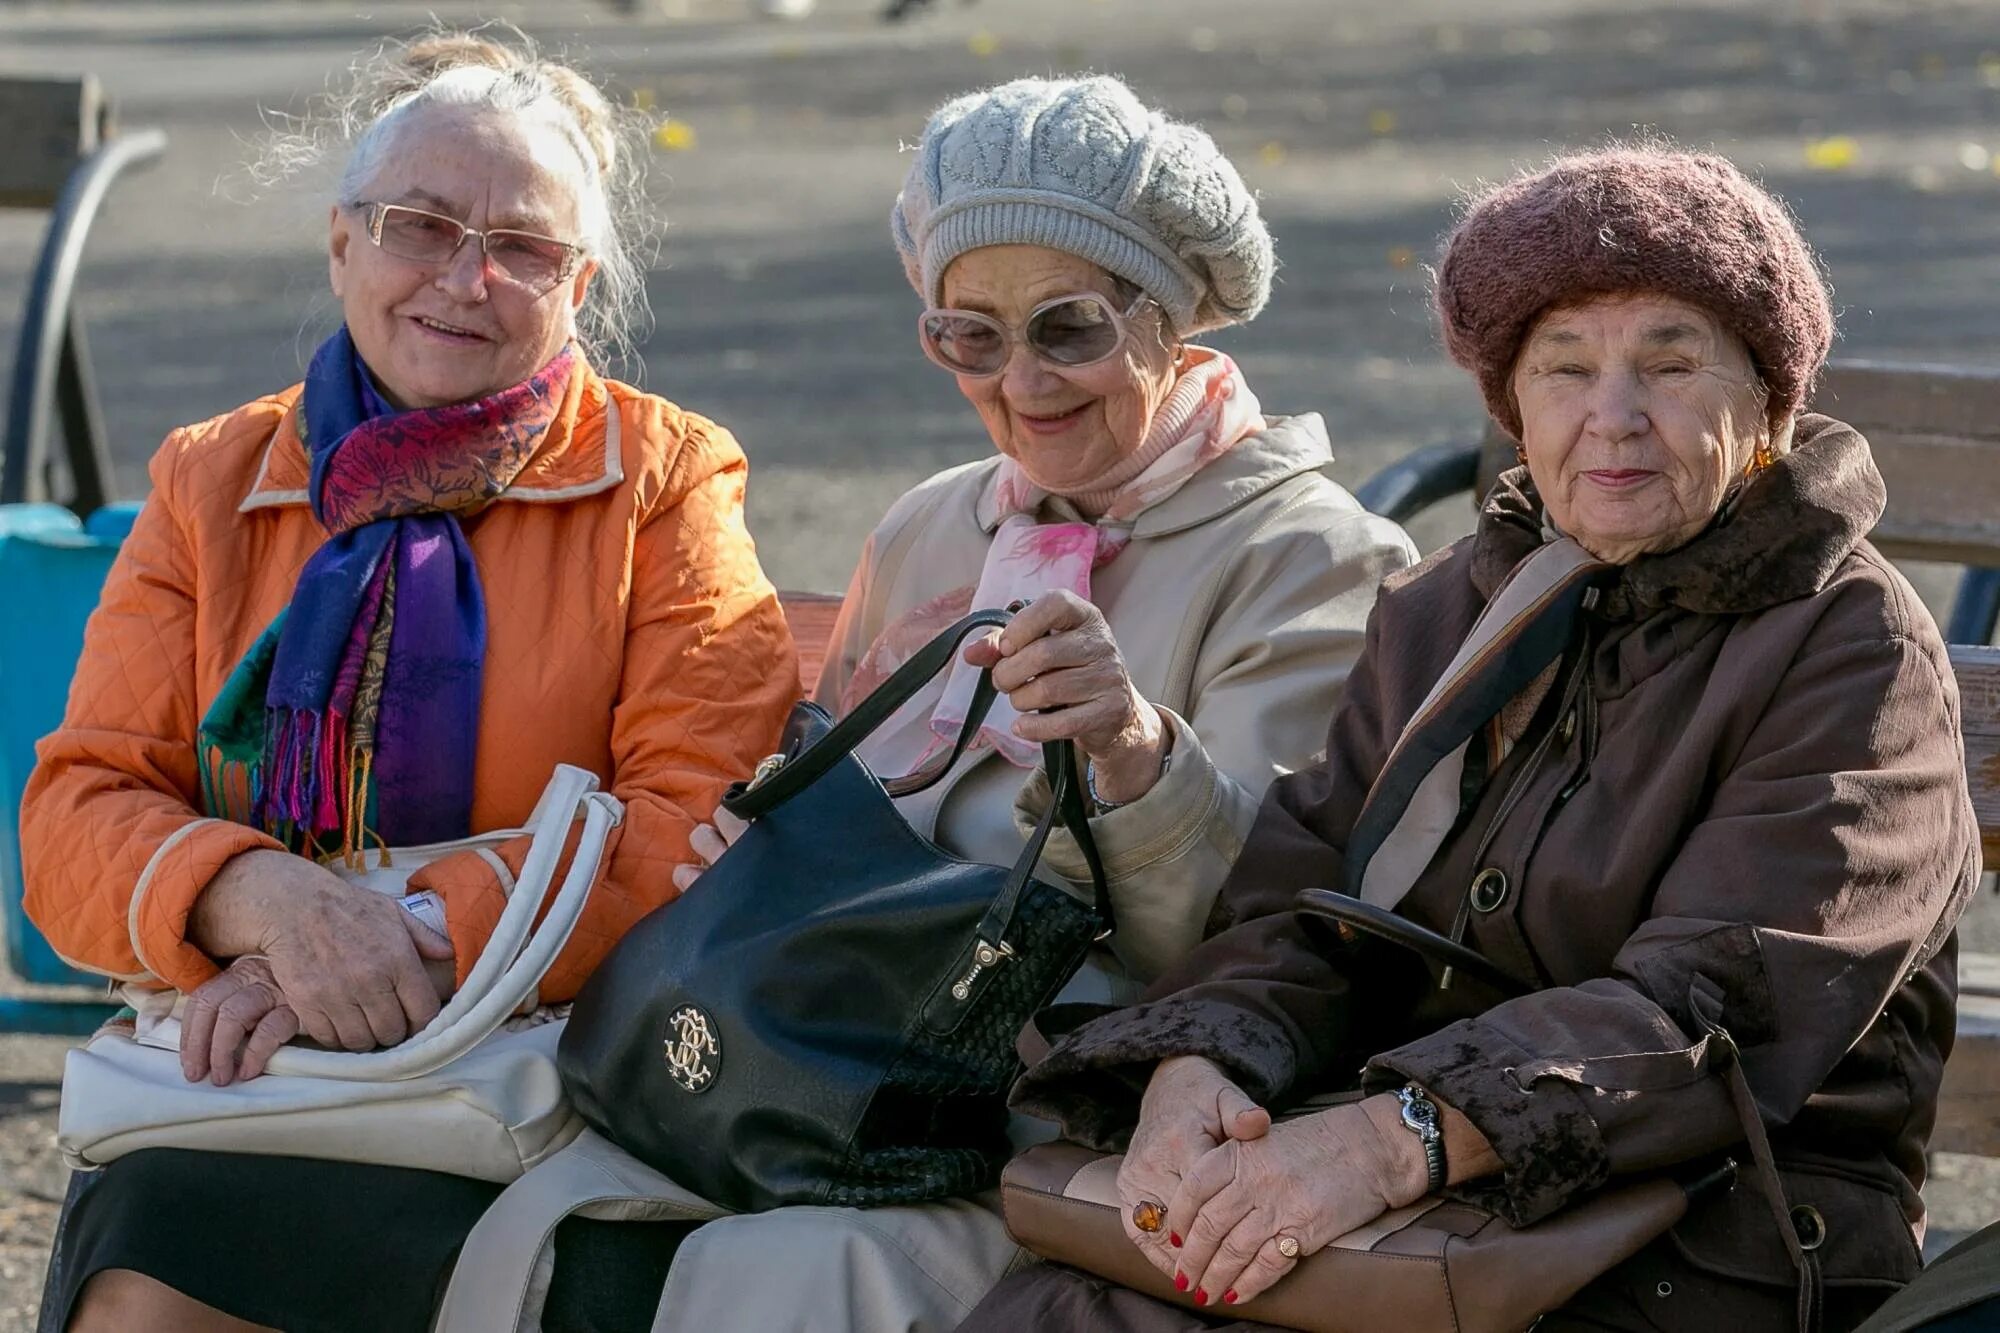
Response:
column 1209, row 411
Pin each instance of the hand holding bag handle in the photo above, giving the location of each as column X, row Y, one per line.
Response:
column 516, row 955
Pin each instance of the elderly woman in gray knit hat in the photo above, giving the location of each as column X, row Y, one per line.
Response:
column 1668, row 743
column 1198, row 590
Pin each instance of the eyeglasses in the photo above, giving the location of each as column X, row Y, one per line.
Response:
column 523, row 257
column 1069, row 331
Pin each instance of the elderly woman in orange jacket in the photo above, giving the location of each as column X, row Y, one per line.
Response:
column 379, row 608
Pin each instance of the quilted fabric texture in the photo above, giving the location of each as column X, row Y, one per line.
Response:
column 631, row 632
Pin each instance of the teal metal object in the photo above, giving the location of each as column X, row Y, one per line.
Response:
column 52, row 570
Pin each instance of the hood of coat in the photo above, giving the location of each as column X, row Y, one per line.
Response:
column 1782, row 537
column 1285, row 447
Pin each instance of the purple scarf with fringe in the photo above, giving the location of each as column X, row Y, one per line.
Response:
column 353, row 718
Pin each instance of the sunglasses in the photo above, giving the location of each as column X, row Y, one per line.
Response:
column 523, row 257
column 1069, row 331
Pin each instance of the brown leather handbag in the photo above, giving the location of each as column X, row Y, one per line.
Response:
column 1437, row 1264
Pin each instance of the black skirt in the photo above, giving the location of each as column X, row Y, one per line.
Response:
column 310, row 1246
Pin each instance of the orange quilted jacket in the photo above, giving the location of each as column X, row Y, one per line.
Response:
column 630, row 632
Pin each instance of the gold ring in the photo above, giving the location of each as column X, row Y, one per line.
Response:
column 1288, row 1246
column 1149, row 1216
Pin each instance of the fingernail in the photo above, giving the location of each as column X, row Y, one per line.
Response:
column 1180, row 1282
column 1174, row 1239
column 1229, row 1297
column 1200, row 1297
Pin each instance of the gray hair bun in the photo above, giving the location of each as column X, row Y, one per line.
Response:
column 1081, row 165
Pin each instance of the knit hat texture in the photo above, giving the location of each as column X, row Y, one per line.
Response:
column 1082, row 166
column 1633, row 219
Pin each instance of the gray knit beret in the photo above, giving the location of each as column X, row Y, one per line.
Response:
column 1633, row 219
column 1081, row 165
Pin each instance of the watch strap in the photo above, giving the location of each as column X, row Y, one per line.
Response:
column 1422, row 1118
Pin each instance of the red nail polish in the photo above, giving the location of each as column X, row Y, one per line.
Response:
column 1173, row 1240
column 1180, row 1282
column 1229, row 1297
column 1200, row 1297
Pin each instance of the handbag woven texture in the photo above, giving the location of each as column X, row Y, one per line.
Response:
column 828, row 1016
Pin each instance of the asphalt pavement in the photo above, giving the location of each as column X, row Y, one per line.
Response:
column 780, row 307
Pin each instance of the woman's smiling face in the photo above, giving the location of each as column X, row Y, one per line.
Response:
column 434, row 334
column 1637, row 413
column 1066, row 426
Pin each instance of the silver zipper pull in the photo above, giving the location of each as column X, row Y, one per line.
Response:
column 984, row 955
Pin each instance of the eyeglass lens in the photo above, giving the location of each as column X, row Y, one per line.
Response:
column 1078, row 332
column 427, row 238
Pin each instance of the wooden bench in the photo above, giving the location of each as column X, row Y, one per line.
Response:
column 811, row 615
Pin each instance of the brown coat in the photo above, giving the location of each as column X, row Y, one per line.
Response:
column 1761, row 783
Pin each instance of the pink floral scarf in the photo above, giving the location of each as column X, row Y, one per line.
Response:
column 1209, row 411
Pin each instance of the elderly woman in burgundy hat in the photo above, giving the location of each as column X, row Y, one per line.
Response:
column 1707, row 779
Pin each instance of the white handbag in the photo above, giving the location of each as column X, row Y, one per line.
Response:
column 472, row 1094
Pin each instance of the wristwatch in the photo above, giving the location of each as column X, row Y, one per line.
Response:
column 1420, row 1117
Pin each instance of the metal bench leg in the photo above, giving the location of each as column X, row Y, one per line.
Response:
column 89, row 454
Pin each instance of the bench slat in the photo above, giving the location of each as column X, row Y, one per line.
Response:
column 811, row 616
column 1935, row 434
column 1978, row 673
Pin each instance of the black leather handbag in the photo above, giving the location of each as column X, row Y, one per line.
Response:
column 828, row 1016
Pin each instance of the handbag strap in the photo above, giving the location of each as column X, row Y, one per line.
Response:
column 1065, row 807
column 795, row 774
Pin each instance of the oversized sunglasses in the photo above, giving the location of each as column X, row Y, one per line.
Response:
column 1067, row 332
column 524, row 257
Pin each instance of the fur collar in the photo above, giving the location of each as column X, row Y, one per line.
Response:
column 1783, row 537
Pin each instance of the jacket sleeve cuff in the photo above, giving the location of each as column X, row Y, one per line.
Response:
column 475, row 885
column 1550, row 1147
column 175, row 875
column 1091, row 1081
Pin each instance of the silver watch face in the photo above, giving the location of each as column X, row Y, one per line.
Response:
column 1420, row 1113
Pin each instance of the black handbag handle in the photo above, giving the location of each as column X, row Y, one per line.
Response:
column 1065, row 807
column 818, row 759
column 1058, row 757
column 1354, row 914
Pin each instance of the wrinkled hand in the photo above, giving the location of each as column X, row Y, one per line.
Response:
column 348, row 961
column 709, row 842
column 1059, row 666
column 233, row 1022
column 1314, row 1179
column 1190, row 1108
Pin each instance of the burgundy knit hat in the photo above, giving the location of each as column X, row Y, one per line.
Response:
column 1633, row 219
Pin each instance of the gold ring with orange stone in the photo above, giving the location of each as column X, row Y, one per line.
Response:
column 1149, row 1216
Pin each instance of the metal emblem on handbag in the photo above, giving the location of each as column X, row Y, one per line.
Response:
column 866, row 985
column 692, row 1050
